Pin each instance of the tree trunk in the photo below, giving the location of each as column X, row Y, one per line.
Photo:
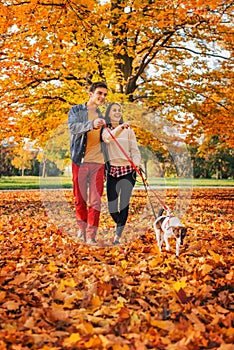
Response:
column 44, row 168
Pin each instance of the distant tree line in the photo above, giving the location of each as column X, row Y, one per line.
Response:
column 17, row 165
column 218, row 165
column 211, row 159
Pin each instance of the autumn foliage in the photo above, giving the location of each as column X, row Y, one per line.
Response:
column 58, row 294
column 174, row 57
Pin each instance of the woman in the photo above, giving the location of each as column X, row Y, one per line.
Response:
column 120, row 174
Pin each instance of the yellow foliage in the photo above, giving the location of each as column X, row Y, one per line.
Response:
column 74, row 338
column 153, row 53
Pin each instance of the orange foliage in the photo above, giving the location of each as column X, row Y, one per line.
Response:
column 58, row 294
column 158, row 53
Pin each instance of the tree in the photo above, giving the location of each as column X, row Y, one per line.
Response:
column 56, row 151
column 217, row 157
column 172, row 56
column 22, row 157
column 212, row 158
column 6, row 156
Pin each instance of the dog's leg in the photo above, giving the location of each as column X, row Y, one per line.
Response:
column 158, row 237
column 166, row 241
column 159, row 240
column 178, row 242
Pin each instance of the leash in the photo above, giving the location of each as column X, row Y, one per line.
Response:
column 139, row 172
column 146, row 189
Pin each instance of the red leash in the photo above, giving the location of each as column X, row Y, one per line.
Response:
column 165, row 207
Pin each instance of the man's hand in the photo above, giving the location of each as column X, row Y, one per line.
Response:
column 98, row 123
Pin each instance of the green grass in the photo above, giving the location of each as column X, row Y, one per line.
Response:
column 34, row 182
column 189, row 182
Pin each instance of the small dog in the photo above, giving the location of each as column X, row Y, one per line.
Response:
column 166, row 227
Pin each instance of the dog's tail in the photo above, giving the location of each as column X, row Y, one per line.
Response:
column 160, row 212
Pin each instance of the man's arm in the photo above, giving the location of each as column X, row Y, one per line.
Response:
column 78, row 126
column 76, row 123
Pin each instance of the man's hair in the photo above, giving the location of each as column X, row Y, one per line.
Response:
column 96, row 85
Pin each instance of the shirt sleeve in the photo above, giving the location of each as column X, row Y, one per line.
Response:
column 107, row 138
column 76, row 125
column 133, row 148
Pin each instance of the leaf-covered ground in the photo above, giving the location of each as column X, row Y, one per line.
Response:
column 58, row 294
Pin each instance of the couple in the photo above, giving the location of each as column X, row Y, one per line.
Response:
column 94, row 151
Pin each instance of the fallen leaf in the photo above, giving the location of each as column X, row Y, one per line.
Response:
column 74, row 338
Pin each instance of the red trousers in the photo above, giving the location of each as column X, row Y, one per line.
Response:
column 88, row 184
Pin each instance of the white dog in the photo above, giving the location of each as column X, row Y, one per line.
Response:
column 166, row 227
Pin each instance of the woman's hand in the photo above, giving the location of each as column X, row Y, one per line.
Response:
column 125, row 125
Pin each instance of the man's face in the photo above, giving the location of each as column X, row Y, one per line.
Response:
column 98, row 97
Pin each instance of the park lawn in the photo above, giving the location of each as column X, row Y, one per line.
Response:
column 35, row 182
column 190, row 182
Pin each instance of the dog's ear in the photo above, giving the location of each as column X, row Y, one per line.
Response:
column 160, row 212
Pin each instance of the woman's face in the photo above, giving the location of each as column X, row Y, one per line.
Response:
column 115, row 113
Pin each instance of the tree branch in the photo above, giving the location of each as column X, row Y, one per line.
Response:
column 195, row 52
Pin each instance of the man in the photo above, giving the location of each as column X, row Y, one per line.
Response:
column 85, row 122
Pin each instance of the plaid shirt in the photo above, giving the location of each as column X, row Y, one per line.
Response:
column 117, row 171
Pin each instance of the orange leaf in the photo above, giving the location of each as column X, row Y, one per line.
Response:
column 165, row 325
column 74, row 338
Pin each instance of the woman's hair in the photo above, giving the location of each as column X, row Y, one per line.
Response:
column 107, row 114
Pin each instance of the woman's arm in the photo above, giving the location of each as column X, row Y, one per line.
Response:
column 107, row 138
column 133, row 148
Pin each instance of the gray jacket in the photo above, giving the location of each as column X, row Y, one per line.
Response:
column 79, row 125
